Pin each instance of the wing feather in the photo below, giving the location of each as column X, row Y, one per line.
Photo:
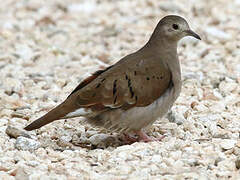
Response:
column 117, row 88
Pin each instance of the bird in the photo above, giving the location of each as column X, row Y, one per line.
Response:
column 130, row 95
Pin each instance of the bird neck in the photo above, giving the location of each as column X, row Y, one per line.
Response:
column 167, row 52
column 162, row 46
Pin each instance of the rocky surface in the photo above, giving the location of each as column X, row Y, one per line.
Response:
column 48, row 47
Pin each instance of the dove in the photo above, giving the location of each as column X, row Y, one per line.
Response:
column 130, row 95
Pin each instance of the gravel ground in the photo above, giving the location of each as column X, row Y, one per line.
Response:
column 48, row 47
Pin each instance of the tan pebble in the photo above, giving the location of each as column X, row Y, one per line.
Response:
column 19, row 115
column 62, row 143
column 15, row 132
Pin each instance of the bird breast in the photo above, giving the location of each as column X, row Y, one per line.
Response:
column 142, row 117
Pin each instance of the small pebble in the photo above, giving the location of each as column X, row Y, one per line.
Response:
column 227, row 144
column 15, row 132
column 26, row 144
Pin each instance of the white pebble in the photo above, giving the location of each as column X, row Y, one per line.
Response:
column 26, row 144
column 228, row 143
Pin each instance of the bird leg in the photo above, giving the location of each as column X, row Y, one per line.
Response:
column 128, row 139
column 142, row 137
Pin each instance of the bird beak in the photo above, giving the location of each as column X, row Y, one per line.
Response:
column 192, row 33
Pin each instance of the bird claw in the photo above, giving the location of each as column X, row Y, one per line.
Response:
column 141, row 137
column 128, row 139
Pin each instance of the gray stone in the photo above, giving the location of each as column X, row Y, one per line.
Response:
column 26, row 144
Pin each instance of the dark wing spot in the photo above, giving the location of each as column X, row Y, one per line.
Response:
column 135, row 73
column 131, row 91
column 129, row 82
column 126, row 76
column 130, row 87
column 161, row 77
column 114, row 87
column 115, row 100
column 153, row 77
column 147, row 78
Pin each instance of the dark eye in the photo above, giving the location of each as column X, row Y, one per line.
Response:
column 175, row 26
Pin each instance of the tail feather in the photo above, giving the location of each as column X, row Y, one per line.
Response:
column 39, row 123
column 57, row 113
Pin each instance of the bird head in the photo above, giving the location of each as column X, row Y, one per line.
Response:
column 174, row 28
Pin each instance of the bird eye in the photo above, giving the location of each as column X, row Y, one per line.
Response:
column 175, row 26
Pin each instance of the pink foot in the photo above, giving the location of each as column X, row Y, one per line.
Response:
column 143, row 137
column 128, row 139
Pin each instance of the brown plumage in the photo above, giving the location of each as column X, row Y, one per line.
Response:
column 131, row 94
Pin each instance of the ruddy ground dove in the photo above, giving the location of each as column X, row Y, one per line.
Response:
column 131, row 94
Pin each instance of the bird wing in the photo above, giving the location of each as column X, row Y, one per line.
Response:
column 139, row 84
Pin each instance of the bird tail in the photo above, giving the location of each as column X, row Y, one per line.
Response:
column 57, row 113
